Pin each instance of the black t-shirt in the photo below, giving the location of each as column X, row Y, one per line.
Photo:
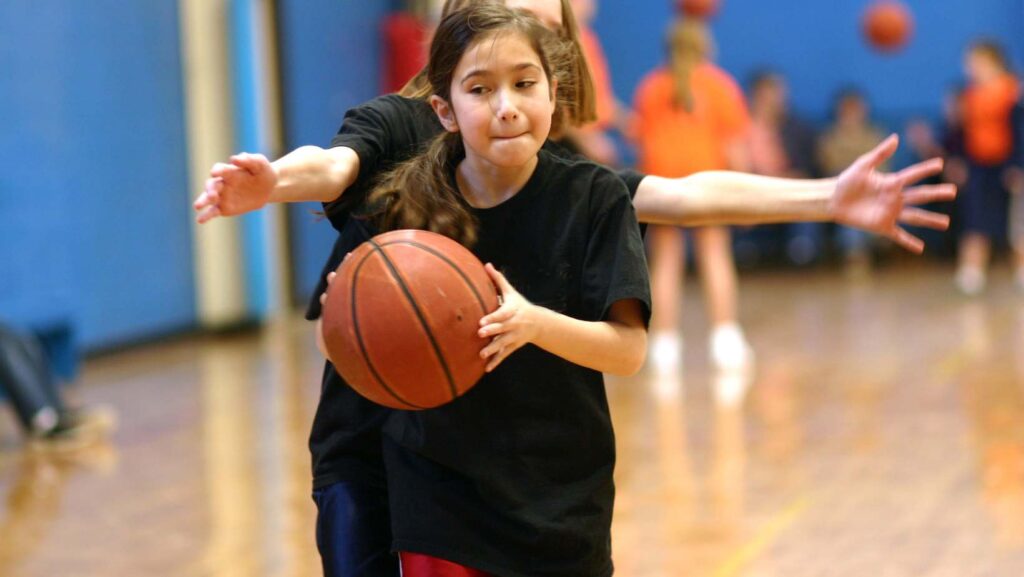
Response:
column 345, row 437
column 515, row 476
column 384, row 132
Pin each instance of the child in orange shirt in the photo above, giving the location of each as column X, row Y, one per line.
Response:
column 691, row 117
column 988, row 146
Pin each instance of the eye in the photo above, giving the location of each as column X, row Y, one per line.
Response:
column 478, row 89
column 525, row 83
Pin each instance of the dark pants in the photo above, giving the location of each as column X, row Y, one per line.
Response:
column 353, row 530
column 25, row 376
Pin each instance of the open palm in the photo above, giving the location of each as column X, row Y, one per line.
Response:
column 880, row 203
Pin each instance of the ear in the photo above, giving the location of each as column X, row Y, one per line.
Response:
column 445, row 113
column 554, row 89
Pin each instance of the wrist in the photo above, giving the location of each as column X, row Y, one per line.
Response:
column 538, row 319
column 828, row 206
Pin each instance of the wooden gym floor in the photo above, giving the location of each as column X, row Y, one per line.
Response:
column 882, row 434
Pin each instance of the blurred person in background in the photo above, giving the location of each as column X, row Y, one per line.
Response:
column 850, row 135
column 782, row 145
column 49, row 422
column 992, row 92
column 691, row 117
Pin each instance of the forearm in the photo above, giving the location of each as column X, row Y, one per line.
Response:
column 608, row 347
column 724, row 197
column 314, row 174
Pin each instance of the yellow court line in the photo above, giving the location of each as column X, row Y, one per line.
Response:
column 763, row 539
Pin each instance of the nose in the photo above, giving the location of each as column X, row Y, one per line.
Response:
column 505, row 107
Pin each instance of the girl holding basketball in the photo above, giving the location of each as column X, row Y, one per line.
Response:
column 349, row 487
column 515, row 477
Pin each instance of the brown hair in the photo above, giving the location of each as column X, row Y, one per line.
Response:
column 994, row 51
column 689, row 44
column 419, row 193
column 577, row 104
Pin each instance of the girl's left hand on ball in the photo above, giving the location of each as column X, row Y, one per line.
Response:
column 513, row 325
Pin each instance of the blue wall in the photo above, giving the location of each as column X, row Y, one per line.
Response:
column 330, row 62
column 818, row 46
column 94, row 199
column 94, row 216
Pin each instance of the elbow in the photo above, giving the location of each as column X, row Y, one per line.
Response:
column 634, row 357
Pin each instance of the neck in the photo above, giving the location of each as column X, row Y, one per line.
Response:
column 485, row 185
column 768, row 115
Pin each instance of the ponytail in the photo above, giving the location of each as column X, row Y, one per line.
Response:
column 420, row 193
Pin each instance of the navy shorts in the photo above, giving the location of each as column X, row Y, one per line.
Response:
column 353, row 530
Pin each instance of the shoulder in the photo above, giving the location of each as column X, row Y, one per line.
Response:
column 581, row 179
column 392, row 106
column 712, row 78
column 653, row 83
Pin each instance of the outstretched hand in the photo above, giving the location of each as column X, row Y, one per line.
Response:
column 513, row 325
column 242, row 185
column 880, row 203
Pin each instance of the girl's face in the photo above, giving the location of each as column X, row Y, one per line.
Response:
column 501, row 101
column 980, row 67
column 549, row 12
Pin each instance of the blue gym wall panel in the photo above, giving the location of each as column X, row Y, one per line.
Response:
column 94, row 215
column 819, row 47
column 330, row 62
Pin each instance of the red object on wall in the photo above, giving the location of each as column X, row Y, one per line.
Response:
column 698, row 8
column 405, row 49
column 887, row 25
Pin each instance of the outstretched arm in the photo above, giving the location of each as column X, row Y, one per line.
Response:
column 248, row 182
column 861, row 197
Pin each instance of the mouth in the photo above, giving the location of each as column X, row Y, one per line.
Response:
column 512, row 137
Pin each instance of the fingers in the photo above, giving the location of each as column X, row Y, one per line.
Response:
column 208, row 214
column 492, row 348
column 494, row 362
column 491, row 330
column 907, row 241
column 926, row 218
column 499, row 279
column 330, row 278
column 253, row 163
column 882, row 152
column 501, row 315
column 929, row 193
column 223, row 170
column 920, row 170
column 498, row 350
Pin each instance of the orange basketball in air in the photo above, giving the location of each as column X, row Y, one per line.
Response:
column 888, row 25
column 698, row 8
column 401, row 319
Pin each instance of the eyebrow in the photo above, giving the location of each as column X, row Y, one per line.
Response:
column 487, row 72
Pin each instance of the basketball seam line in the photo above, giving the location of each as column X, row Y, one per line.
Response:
column 419, row 315
column 362, row 345
column 455, row 267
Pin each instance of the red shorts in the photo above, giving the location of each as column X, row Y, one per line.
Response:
column 418, row 565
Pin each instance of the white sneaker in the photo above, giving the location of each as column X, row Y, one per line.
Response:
column 666, row 352
column 729, row 348
column 970, row 281
column 731, row 387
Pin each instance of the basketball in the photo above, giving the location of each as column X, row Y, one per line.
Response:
column 888, row 25
column 401, row 319
column 698, row 8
